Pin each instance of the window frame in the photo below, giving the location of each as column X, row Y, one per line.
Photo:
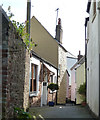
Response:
column 33, row 78
column 34, row 92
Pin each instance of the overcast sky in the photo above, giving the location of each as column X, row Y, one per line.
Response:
column 71, row 12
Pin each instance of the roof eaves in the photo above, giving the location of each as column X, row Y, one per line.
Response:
column 61, row 45
column 50, row 34
column 4, row 13
column 81, row 61
column 42, row 60
column 71, row 57
column 42, row 26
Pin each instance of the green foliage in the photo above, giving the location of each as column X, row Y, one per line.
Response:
column 82, row 89
column 10, row 14
column 53, row 86
column 20, row 29
column 20, row 114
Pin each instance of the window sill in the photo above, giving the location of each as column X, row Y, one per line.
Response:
column 33, row 94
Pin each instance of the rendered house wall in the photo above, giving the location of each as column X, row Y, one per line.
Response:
column 93, row 61
column 47, row 47
column 80, row 79
column 73, row 85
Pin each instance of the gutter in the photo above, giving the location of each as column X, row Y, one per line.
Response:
column 86, row 21
column 88, row 6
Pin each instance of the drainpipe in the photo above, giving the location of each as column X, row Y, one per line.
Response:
column 28, row 17
column 57, row 84
column 86, row 20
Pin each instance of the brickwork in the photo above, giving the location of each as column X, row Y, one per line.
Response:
column 15, row 70
column 36, row 100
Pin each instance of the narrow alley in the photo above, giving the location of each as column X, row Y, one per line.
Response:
column 49, row 59
column 61, row 111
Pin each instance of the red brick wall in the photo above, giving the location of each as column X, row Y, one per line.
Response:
column 36, row 100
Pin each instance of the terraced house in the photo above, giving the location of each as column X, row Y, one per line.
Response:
column 92, row 26
column 51, row 49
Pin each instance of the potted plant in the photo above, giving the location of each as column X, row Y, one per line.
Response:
column 82, row 92
column 52, row 87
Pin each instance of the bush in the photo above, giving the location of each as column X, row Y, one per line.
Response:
column 20, row 114
column 53, row 86
column 82, row 89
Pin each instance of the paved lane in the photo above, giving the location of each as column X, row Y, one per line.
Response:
column 67, row 111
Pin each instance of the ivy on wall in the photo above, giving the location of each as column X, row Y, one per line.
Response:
column 21, row 30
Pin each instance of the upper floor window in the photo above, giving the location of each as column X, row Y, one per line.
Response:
column 94, row 7
column 51, row 76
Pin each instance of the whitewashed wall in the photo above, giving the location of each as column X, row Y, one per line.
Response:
column 93, row 61
column 73, row 85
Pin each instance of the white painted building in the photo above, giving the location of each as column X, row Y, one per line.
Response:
column 93, row 56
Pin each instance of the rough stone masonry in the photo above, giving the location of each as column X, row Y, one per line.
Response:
column 15, row 69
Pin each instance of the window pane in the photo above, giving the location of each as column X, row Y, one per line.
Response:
column 51, row 78
column 34, row 84
column 34, row 72
column 31, row 85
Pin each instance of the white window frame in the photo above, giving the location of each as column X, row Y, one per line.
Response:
column 37, row 63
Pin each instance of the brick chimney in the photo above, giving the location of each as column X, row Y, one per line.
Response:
column 79, row 56
column 59, row 31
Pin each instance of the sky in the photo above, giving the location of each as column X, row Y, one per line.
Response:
column 71, row 12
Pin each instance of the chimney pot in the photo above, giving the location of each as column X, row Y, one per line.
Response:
column 79, row 52
column 59, row 21
column 79, row 56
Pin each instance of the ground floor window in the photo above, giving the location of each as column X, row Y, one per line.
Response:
column 33, row 82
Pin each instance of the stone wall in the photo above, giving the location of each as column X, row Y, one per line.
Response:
column 15, row 70
column 0, row 64
column 62, row 79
